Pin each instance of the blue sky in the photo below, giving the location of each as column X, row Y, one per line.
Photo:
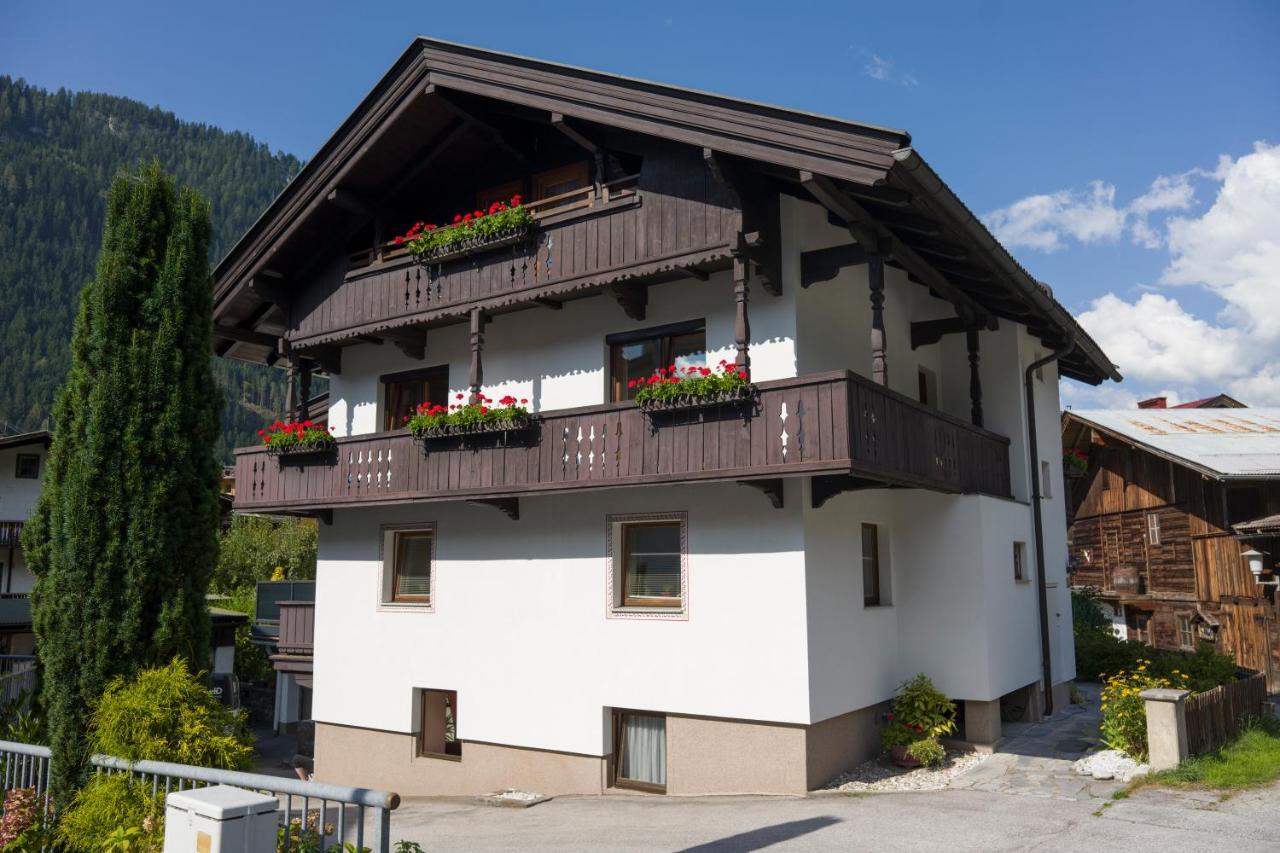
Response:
column 1051, row 120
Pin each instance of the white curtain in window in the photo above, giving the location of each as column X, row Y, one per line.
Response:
column 644, row 749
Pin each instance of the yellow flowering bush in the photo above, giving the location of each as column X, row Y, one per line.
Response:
column 1124, row 713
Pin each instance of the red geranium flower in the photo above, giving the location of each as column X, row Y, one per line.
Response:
column 457, row 218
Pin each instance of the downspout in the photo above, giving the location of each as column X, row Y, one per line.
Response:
column 1037, row 515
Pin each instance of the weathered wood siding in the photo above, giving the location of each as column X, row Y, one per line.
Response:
column 677, row 213
column 809, row 425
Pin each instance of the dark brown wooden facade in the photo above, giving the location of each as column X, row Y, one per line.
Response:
column 1156, row 538
column 846, row 430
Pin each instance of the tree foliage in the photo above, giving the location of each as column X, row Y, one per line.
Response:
column 256, row 549
column 124, row 538
column 58, row 153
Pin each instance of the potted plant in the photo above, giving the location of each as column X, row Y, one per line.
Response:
column 297, row 438
column 501, row 225
column 921, row 715
column 1075, row 463
column 675, row 388
column 432, row 420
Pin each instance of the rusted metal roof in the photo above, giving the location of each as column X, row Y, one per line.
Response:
column 1222, row 443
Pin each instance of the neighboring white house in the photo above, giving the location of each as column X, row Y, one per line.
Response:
column 22, row 461
column 719, row 601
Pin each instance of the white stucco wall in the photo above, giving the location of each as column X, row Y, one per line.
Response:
column 519, row 627
column 18, row 497
column 777, row 629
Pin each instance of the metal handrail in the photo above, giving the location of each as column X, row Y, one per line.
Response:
column 26, row 765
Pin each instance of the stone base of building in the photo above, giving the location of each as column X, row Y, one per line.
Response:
column 705, row 755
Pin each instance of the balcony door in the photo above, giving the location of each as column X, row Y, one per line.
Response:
column 402, row 393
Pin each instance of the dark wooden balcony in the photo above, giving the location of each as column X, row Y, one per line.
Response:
column 659, row 224
column 837, row 425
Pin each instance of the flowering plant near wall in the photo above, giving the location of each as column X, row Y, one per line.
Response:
column 1124, row 711
column 502, row 218
column 282, row 434
column 1075, row 461
column 431, row 417
column 671, row 382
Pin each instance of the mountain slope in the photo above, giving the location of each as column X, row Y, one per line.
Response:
column 58, row 153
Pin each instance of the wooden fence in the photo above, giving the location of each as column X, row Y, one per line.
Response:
column 1217, row 715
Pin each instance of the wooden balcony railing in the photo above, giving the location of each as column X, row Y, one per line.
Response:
column 831, row 423
column 297, row 627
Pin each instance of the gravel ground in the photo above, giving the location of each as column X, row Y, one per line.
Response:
column 881, row 774
column 1110, row 764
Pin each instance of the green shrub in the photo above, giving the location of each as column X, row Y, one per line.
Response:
column 113, row 808
column 921, row 706
column 167, row 714
column 928, row 751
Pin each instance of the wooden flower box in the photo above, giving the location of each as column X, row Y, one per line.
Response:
column 504, row 427
column 475, row 245
column 312, row 451
column 740, row 396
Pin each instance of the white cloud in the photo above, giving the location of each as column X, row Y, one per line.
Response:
column 879, row 68
column 1045, row 221
column 1231, row 252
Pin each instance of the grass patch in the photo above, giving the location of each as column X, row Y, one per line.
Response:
column 1252, row 759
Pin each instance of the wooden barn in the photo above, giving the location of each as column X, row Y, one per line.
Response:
column 1162, row 516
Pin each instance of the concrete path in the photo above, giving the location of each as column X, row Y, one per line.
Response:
column 943, row 820
column 1035, row 758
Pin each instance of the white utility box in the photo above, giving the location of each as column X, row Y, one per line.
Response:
column 219, row 819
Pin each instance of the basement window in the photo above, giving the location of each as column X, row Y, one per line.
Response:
column 640, row 751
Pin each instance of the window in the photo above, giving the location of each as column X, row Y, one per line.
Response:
column 404, row 392
column 636, row 355
column 870, row 565
column 926, row 386
column 438, row 724
column 407, row 557
column 28, row 466
column 1140, row 627
column 554, row 182
column 651, row 564
column 1153, row 529
column 1020, row 561
column 502, row 192
column 647, row 566
column 1046, row 480
column 640, row 751
column 1185, row 638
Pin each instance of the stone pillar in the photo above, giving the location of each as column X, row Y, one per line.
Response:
column 982, row 721
column 1166, row 727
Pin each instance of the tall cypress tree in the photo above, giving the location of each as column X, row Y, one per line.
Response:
column 124, row 539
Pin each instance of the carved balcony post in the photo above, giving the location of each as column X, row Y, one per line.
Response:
column 975, row 381
column 477, row 345
column 304, row 389
column 879, row 357
column 742, row 322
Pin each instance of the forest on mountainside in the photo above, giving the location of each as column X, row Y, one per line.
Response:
column 58, row 153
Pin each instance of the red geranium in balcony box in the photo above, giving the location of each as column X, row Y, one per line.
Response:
column 431, row 420
column 501, row 224
column 292, row 438
column 675, row 388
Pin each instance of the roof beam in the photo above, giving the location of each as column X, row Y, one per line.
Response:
column 246, row 336
column 876, row 238
column 443, row 141
column 890, row 196
column 487, row 130
column 559, row 122
column 352, row 202
column 760, row 216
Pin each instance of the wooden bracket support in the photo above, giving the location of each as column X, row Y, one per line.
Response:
column 772, row 489
column 822, row 265
column 761, row 216
column 411, row 340
column 634, row 299
column 510, row 507
column 825, row 487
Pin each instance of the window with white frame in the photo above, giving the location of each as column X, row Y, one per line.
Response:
column 408, row 572
column 648, row 564
column 1046, row 480
column 1186, row 639
column 1153, row 529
